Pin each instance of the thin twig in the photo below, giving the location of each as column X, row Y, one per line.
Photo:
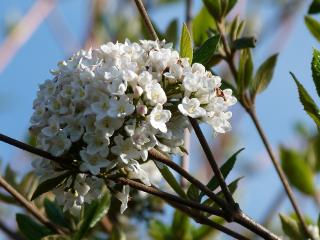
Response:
column 212, row 161
column 167, row 196
column 249, row 107
column 185, row 159
column 199, row 218
column 24, row 29
column 29, row 206
column 146, row 19
column 156, row 155
column 281, row 174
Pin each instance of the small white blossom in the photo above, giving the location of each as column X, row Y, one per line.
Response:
column 159, row 118
column 155, row 94
column 191, row 108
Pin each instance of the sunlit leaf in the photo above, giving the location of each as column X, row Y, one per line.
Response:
column 291, row 228
column 181, row 226
column 315, row 67
column 245, row 71
column 313, row 26
column 297, row 170
column 200, row 25
column 308, row 104
column 186, row 44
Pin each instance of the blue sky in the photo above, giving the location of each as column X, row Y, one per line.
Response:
column 278, row 107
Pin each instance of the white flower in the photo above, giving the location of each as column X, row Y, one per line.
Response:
column 136, row 172
column 125, row 149
column 101, row 108
column 191, row 108
column 53, row 128
column 155, row 94
column 59, row 144
column 123, row 198
column 120, row 108
column 97, row 143
column 314, row 230
column 93, row 162
column 159, row 118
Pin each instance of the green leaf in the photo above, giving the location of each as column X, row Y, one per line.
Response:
column 244, row 42
column 117, row 234
column 172, row 32
column 214, row 8
column 264, row 75
column 157, row 230
column 56, row 237
column 93, row 213
column 49, row 184
column 171, row 180
column 297, row 170
column 193, row 193
column 231, row 4
column 31, row 229
column 308, row 104
column 186, row 44
column 315, row 67
column 319, row 221
column 291, row 228
column 181, row 226
column 225, row 170
column 314, row 7
column 313, row 25
column 245, row 69
column 55, row 214
column 206, row 232
column 204, row 53
column 200, row 25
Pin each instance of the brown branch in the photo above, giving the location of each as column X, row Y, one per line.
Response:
column 249, row 107
column 216, row 170
column 158, row 156
column 24, row 29
column 146, row 19
column 29, row 206
column 251, row 111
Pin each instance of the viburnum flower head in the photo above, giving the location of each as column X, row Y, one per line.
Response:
column 105, row 108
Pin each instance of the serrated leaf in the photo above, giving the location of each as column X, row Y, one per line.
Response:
column 313, row 25
column 157, row 230
column 225, row 170
column 308, row 104
column 204, row 53
column 31, row 229
column 297, row 170
column 172, row 32
column 264, row 75
column 49, row 184
column 291, row 228
column 244, row 42
column 55, row 214
column 171, row 180
column 245, row 71
column 315, row 67
column 314, row 7
column 93, row 213
column 186, row 44
column 200, row 25
column 181, row 226
column 193, row 193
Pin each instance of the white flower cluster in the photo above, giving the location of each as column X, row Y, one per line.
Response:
column 105, row 108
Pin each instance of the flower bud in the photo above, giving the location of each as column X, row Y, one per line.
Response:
column 142, row 110
column 137, row 91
